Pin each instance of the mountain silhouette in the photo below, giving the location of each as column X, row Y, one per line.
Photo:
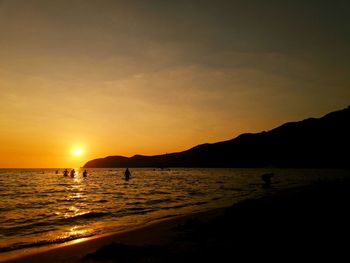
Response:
column 310, row 143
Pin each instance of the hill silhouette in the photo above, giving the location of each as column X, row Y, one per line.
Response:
column 310, row 143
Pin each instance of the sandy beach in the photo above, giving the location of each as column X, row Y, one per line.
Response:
column 153, row 234
column 309, row 221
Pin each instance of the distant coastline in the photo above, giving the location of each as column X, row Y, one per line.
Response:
column 310, row 143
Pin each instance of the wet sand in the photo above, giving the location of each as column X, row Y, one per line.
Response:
column 311, row 222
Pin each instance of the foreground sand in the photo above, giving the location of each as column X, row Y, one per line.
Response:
column 303, row 223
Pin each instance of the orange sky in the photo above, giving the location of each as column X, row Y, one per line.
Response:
column 150, row 77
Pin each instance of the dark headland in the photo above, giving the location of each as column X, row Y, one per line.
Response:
column 315, row 143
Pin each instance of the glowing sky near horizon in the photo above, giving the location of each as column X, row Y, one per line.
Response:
column 150, row 77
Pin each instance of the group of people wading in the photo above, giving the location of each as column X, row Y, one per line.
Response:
column 127, row 173
column 72, row 173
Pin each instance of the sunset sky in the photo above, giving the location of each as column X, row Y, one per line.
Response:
column 150, row 77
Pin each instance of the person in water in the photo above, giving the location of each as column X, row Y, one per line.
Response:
column 127, row 174
column 65, row 172
column 85, row 173
column 72, row 173
column 267, row 179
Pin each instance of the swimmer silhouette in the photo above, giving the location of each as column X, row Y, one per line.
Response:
column 267, row 179
column 127, row 174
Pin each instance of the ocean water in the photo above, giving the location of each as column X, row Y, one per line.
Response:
column 39, row 207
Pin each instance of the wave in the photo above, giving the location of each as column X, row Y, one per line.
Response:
column 22, row 245
column 135, row 211
column 200, row 203
column 6, row 208
column 157, row 192
column 153, row 202
column 22, row 230
column 174, row 207
column 184, row 205
column 195, row 192
column 158, row 201
column 48, row 225
column 89, row 215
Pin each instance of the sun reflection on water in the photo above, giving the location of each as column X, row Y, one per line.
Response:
column 77, row 176
column 77, row 231
column 76, row 196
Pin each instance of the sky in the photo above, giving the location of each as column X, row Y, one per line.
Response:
column 153, row 77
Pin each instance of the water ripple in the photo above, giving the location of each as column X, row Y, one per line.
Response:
column 40, row 207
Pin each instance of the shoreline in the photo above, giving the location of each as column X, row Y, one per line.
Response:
column 74, row 250
column 309, row 220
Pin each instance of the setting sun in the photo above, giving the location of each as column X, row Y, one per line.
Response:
column 77, row 151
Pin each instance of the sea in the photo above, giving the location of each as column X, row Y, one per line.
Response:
column 40, row 206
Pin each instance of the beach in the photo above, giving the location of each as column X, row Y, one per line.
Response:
column 39, row 207
column 310, row 221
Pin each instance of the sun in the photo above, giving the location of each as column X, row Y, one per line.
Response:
column 77, row 151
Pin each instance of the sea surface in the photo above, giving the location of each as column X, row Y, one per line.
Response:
column 40, row 207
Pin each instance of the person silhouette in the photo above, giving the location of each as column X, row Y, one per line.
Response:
column 127, row 174
column 72, row 173
column 65, row 172
column 267, row 179
column 85, row 173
